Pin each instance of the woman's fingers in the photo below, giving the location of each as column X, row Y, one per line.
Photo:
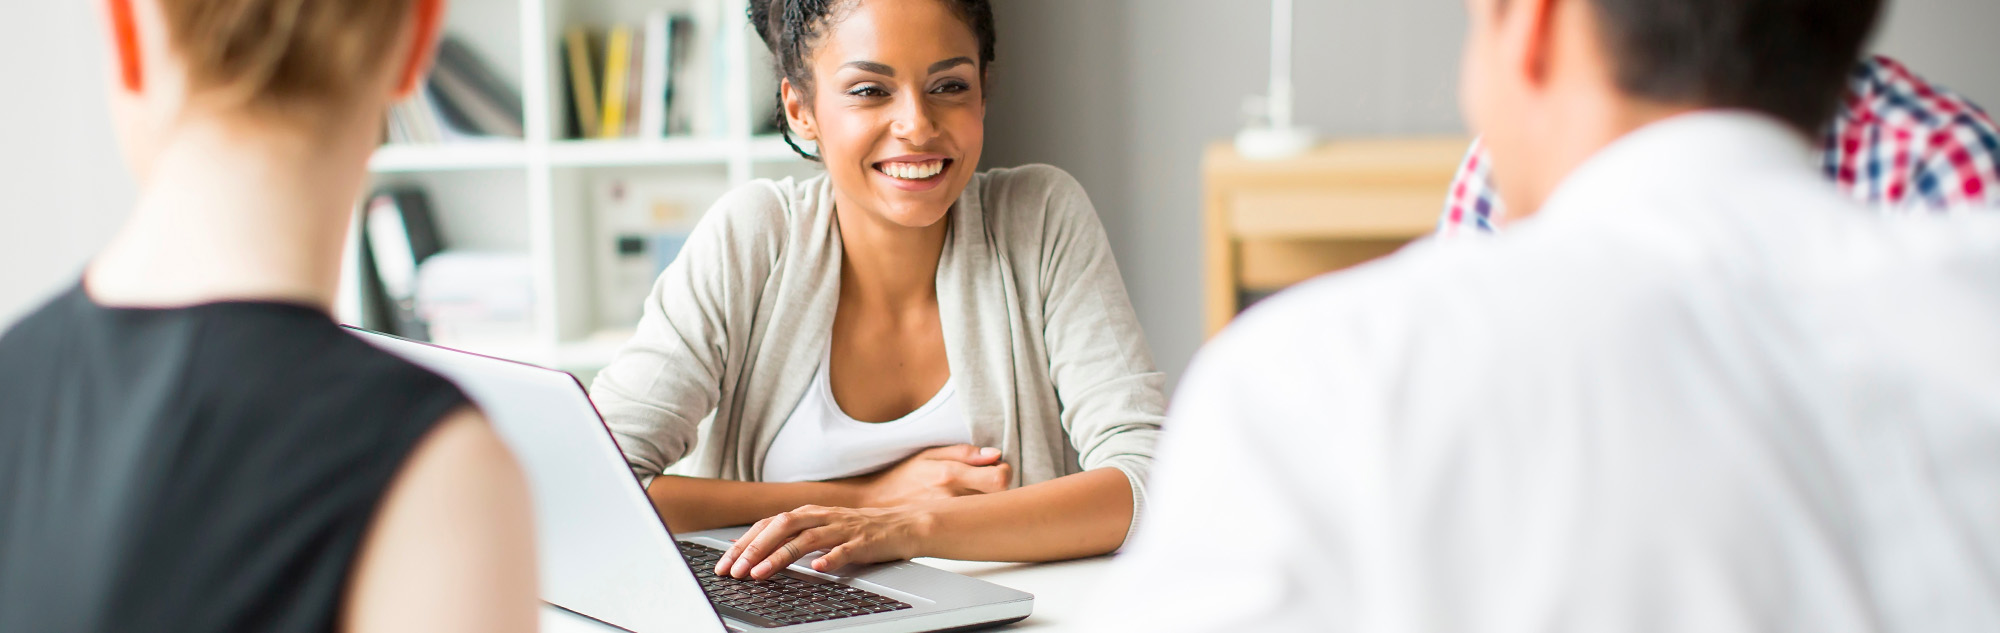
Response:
column 995, row 478
column 729, row 558
column 855, row 551
column 967, row 480
column 835, row 559
column 791, row 551
column 776, row 532
column 964, row 453
column 855, row 536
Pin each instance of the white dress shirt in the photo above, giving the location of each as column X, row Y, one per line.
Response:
column 1697, row 393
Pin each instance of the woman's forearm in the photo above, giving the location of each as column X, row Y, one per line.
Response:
column 1080, row 515
column 691, row 504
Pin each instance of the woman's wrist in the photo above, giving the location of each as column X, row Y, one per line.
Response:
column 852, row 492
column 921, row 524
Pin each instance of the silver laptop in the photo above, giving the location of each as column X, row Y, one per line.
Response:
column 605, row 554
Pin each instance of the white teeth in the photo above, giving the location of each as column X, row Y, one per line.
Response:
column 913, row 171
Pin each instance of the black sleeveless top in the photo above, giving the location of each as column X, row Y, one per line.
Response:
column 210, row 468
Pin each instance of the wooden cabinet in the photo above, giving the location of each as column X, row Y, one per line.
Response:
column 1271, row 224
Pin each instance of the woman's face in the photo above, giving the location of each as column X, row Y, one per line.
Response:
column 898, row 108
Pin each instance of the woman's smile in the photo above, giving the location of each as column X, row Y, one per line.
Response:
column 919, row 172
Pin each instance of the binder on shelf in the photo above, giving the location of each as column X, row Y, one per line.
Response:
column 617, row 59
column 582, row 68
column 398, row 233
column 680, row 29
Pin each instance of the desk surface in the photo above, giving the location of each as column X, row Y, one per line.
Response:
column 1061, row 590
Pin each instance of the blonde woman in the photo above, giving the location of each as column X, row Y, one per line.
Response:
column 189, row 442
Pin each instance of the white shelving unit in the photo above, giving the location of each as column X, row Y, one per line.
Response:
column 533, row 195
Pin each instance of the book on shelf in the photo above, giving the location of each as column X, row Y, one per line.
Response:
column 467, row 85
column 680, row 31
column 617, row 62
column 635, row 71
column 581, row 66
column 463, row 99
column 653, row 79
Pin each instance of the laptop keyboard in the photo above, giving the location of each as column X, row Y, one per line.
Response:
column 784, row 600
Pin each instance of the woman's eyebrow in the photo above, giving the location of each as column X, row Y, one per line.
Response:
column 949, row 64
column 880, row 68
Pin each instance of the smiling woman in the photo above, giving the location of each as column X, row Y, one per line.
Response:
column 903, row 356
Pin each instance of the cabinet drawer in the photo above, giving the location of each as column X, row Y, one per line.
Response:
column 1389, row 213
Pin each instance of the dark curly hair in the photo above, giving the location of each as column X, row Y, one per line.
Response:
column 792, row 28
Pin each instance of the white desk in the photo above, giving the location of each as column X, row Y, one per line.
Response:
column 1061, row 591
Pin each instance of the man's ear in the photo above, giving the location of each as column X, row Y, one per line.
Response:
column 427, row 21
column 125, row 39
column 797, row 114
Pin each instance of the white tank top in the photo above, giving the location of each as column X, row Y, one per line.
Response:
column 819, row 442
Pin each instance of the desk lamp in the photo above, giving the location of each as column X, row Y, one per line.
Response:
column 1271, row 133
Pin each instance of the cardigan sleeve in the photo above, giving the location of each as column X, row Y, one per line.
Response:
column 1112, row 397
column 669, row 376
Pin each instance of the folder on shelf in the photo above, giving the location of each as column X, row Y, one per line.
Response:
column 617, row 62
column 582, row 82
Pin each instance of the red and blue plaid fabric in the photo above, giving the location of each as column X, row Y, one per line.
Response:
column 1898, row 144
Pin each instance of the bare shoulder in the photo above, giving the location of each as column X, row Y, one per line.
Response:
column 464, row 445
column 451, row 546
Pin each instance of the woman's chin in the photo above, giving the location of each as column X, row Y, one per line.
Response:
column 920, row 218
column 916, row 212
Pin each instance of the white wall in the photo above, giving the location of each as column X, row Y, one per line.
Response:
column 1126, row 93
column 1123, row 93
column 1950, row 42
column 63, row 186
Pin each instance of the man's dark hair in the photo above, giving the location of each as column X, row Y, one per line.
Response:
column 1786, row 58
column 792, row 29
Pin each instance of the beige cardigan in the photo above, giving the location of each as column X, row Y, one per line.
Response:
column 1038, row 330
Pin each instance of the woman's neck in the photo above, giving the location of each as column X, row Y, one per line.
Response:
column 237, row 211
column 888, row 266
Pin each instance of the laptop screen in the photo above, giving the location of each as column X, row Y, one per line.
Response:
column 603, row 551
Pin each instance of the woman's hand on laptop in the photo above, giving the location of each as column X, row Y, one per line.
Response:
column 849, row 535
column 937, row 473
